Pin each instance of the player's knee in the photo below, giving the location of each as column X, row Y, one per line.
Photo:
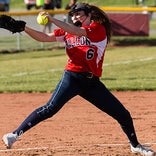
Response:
column 46, row 111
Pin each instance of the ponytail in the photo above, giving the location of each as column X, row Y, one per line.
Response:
column 99, row 16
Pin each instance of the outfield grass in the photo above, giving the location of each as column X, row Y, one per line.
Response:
column 124, row 69
column 130, row 68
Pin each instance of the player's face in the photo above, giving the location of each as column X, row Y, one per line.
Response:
column 78, row 16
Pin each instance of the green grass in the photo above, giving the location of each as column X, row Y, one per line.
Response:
column 124, row 69
column 130, row 68
column 28, row 72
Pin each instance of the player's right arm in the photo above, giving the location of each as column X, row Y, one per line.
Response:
column 40, row 36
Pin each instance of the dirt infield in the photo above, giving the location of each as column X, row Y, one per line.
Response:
column 79, row 129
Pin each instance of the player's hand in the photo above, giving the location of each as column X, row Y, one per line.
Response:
column 46, row 14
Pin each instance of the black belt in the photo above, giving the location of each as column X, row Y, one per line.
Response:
column 88, row 75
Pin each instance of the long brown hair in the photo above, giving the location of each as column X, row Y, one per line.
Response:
column 101, row 17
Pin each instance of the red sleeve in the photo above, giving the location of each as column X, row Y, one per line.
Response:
column 96, row 32
column 59, row 34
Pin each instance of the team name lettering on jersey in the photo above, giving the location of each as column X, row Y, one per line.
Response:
column 77, row 41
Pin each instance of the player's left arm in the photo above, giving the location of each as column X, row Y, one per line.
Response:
column 40, row 36
column 9, row 23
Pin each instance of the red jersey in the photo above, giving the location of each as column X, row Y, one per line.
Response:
column 86, row 54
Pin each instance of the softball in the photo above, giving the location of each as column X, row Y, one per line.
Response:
column 42, row 19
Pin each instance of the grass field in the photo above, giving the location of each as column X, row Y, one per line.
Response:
column 126, row 68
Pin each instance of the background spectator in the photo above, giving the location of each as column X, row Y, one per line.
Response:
column 138, row 2
column 58, row 4
column 69, row 6
column 48, row 5
column 39, row 4
column 7, row 5
column 4, row 5
column 30, row 3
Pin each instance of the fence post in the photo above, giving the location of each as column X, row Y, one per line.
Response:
column 18, row 39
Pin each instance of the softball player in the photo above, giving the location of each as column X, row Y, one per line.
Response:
column 85, row 41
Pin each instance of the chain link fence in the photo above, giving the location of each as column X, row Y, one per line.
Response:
column 21, row 41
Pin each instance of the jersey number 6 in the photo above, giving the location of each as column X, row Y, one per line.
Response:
column 90, row 54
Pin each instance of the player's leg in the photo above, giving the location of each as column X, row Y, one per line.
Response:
column 101, row 97
column 65, row 90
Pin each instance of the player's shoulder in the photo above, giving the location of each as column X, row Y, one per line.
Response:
column 59, row 32
column 96, row 32
column 95, row 26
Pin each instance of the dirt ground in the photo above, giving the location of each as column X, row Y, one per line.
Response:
column 78, row 129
